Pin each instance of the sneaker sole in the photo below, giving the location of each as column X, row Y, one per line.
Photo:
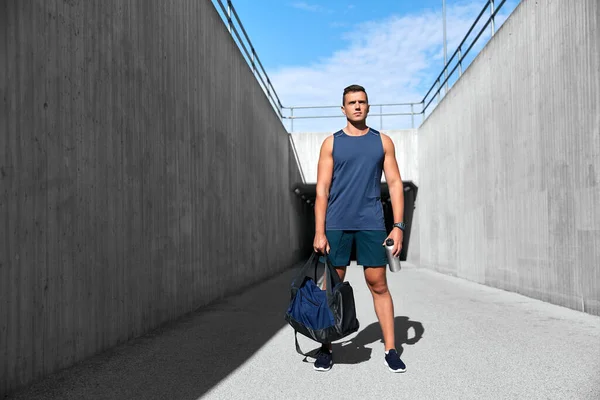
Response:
column 398, row 371
column 322, row 369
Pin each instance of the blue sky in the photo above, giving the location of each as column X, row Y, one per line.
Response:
column 312, row 49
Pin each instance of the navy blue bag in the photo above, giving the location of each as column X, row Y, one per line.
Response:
column 321, row 315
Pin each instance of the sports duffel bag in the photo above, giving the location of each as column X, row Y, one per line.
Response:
column 321, row 315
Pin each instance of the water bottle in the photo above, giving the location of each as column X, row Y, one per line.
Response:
column 393, row 261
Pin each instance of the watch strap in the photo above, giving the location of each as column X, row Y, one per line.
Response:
column 400, row 225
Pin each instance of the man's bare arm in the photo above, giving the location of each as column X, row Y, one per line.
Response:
column 324, row 176
column 396, row 187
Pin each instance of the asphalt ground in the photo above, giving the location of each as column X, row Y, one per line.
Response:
column 459, row 340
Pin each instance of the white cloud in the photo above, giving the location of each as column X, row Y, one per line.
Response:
column 395, row 59
column 308, row 7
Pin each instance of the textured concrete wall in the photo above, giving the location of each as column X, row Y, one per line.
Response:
column 308, row 145
column 509, row 162
column 143, row 174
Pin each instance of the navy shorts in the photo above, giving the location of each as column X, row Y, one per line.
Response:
column 369, row 247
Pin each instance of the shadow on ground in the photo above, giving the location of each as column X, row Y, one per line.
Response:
column 355, row 350
column 181, row 360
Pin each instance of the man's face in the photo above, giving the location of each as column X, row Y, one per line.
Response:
column 355, row 106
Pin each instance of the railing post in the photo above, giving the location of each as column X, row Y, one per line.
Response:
column 492, row 17
column 253, row 64
column 459, row 62
column 229, row 15
column 439, row 89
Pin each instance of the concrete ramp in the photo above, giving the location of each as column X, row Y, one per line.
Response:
column 459, row 339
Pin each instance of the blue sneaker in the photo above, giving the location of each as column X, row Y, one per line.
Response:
column 393, row 361
column 324, row 360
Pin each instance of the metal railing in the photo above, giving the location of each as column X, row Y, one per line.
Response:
column 459, row 55
column 434, row 92
column 252, row 57
column 381, row 114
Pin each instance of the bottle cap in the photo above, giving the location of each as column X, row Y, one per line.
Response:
column 389, row 242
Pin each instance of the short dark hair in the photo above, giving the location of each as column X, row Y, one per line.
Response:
column 352, row 89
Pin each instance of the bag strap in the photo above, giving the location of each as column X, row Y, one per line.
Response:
column 333, row 278
column 312, row 261
column 312, row 353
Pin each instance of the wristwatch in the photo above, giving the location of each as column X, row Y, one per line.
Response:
column 400, row 225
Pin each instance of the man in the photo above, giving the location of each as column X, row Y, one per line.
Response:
column 348, row 208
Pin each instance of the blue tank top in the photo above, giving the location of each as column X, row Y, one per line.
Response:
column 355, row 193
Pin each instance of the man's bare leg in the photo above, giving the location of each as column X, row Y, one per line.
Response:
column 382, row 300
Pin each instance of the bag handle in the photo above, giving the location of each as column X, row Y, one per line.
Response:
column 332, row 277
column 313, row 261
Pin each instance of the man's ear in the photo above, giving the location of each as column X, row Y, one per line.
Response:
column 343, row 110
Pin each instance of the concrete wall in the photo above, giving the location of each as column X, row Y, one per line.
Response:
column 308, row 145
column 509, row 162
column 143, row 173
